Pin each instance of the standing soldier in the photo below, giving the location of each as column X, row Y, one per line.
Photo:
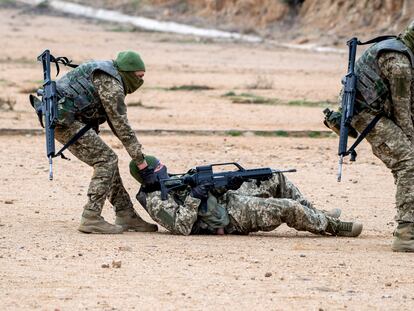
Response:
column 93, row 93
column 385, row 86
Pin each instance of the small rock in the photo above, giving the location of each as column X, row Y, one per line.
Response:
column 37, row 212
column 105, row 265
column 125, row 248
column 268, row 274
column 116, row 264
column 80, row 254
column 8, row 202
column 388, row 284
column 302, row 255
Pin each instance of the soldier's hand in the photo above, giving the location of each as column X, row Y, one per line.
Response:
column 148, row 176
column 200, row 191
column 333, row 121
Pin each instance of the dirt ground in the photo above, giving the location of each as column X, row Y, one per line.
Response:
column 46, row 264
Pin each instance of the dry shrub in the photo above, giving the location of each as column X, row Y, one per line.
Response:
column 261, row 83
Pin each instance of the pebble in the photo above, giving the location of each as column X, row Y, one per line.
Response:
column 302, row 255
column 105, row 265
column 8, row 202
column 125, row 248
column 268, row 274
column 116, row 264
column 388, row 284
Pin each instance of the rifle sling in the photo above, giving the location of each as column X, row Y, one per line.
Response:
column 71, row 141
column 376, row 40
column 364, row 133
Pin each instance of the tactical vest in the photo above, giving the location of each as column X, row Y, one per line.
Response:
column 372, row 90
column 77, row 87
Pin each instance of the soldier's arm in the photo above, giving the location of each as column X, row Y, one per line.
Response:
column 112, row 96
column 396, row 68
column 176, row 218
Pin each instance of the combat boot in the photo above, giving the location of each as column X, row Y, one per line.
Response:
column 130, row 220
column 404, row 238
column 334, row 213
column 344, row 228
column 93, row 222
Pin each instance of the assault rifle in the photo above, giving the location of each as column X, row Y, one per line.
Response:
column 205, row 175
column 348, row 100
column 48, row 108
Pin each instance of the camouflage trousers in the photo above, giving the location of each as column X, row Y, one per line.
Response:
column 106, row 181
column 264, row 208
column 392, row 146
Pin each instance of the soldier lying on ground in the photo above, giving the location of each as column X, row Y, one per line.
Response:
column 242, row 208
column 385, row 86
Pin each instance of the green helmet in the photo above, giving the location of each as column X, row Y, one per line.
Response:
column 129, row 61
column 407, row 36
column 152, row 162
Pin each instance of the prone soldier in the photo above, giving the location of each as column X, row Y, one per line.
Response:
column 239, row 208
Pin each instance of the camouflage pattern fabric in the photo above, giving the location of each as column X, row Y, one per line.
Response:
column 372, row 85
column 396, row 68
column 392, row 146
column 173, row 216
column 106, row 182
column 111, row 93
column 251, row 208
column 392, row 139
column 266, row 206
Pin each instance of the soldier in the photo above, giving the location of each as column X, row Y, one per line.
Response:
column 385, row 86
column 93, row 93
column 241, row 208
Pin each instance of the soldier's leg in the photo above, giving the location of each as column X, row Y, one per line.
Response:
column 264, row 214
column 92, row 150
column 393, row 147
column 126, row 216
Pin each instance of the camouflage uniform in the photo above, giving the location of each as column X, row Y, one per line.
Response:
column 392, row 138
column 91, row 149
column 251, row 208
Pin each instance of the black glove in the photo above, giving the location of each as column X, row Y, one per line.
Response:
column 235, row 183
column 200, row 191
column 148, row 176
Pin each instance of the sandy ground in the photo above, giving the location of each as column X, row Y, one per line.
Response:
column 46, row 264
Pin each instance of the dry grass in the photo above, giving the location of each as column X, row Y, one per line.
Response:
column 261, row 83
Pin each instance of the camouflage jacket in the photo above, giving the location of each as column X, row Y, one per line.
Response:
column 373, row 84
column 108, row 105
column 385, row 84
